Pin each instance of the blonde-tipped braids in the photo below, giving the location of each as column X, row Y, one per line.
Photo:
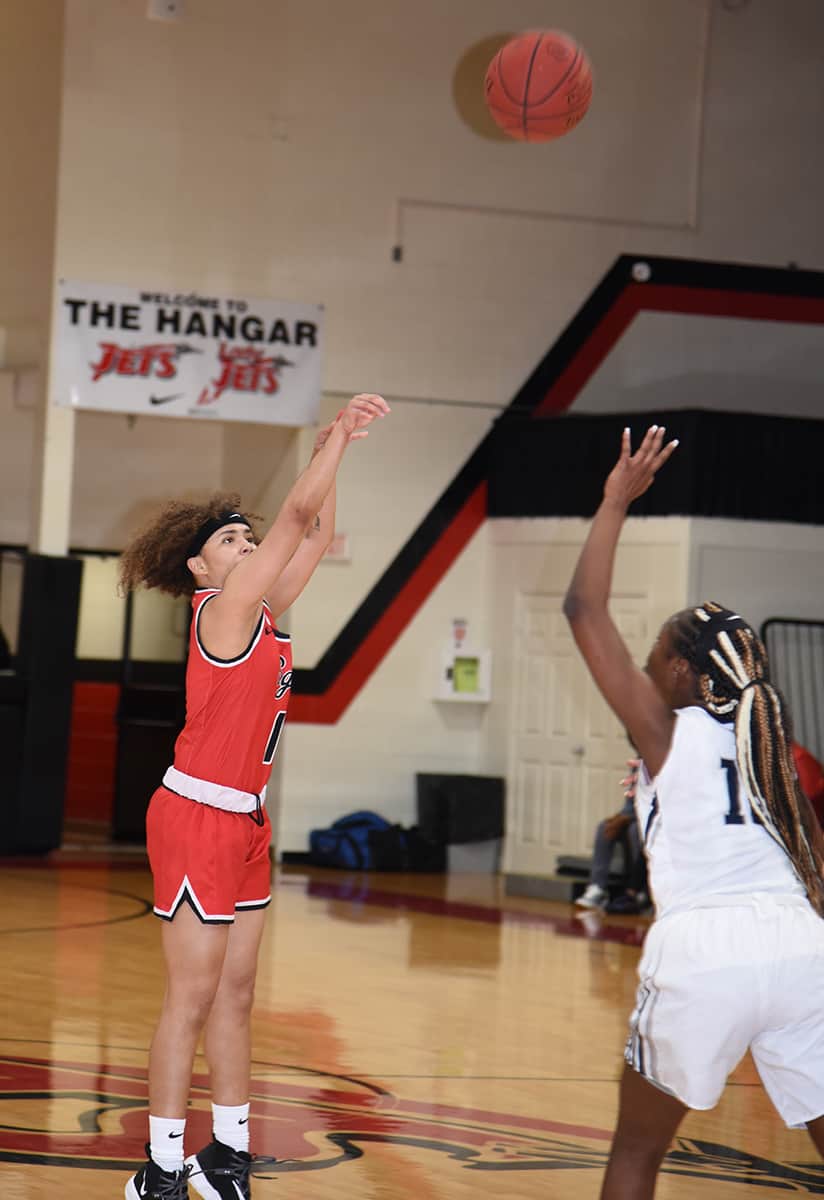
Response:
column 733, row 681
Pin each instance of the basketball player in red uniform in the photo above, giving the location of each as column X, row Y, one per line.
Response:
column 208, row 832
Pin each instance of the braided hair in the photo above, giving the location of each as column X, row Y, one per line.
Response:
column 156, row 556
column 733, row 683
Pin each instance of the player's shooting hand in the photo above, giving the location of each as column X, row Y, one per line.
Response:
column 361, row 411
column 323, row 434
column 633, row 473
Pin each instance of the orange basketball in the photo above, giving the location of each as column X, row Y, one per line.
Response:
column 539, row 85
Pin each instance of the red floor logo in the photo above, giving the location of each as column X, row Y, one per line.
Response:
column 78, row 1115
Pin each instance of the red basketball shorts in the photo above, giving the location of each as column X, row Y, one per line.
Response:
column 215, row 861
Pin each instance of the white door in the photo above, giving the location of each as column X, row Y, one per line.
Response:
column 567, row 751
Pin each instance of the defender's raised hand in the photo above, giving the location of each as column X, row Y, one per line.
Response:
column 360, row 412
column 633, row 473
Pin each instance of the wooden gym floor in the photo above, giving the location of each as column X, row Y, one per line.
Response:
column 423, row 1037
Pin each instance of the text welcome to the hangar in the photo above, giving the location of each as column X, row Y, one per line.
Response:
column 183, row 316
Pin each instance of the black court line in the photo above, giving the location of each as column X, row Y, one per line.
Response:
column 287, row 1071
column 145, row 910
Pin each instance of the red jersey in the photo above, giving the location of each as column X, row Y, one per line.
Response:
column 811, row 777
column 235, row 708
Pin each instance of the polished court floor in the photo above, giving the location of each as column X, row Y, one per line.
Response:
column 422, row 1037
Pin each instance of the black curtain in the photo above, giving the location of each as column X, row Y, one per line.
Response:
column 757, row 468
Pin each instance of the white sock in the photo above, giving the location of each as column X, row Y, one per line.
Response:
column 230, row 1124
column 166, row 1142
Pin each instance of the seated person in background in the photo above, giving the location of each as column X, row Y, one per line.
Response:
column 621, row 829
column 635, row 898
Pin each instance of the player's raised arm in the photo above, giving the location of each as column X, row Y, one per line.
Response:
column 627, row 689
column 301, row 566
column 245, row 573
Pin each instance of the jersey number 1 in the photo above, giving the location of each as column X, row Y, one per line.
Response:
column 274, row 738
column 734, row 815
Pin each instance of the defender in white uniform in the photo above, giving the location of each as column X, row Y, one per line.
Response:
column 735, row 958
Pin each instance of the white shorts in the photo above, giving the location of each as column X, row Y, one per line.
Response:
column 718, row 981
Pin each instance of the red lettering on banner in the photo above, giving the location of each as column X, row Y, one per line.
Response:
column 158, row 361
column 244, row 370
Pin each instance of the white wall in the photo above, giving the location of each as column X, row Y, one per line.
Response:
column 394, row 726
column 734, row 365
column 282, row 149
column 31, row 40
column 17, row 425
column 238, row 150
column 761, row 569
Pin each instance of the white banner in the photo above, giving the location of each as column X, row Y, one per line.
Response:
column 131, row 350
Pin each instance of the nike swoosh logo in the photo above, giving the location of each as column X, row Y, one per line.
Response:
column 175, row 1135
column 245, row 1120
column 165, row 399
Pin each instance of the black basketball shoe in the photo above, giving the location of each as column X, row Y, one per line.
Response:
column 152, row 1183
column 220, row 1173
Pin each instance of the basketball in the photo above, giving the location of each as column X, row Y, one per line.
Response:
column 539, row 85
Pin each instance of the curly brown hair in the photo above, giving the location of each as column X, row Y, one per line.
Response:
column 156, row 555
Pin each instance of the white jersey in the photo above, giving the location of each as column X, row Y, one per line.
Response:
column 700, row 834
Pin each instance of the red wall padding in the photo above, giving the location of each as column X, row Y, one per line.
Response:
column 92, row 750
